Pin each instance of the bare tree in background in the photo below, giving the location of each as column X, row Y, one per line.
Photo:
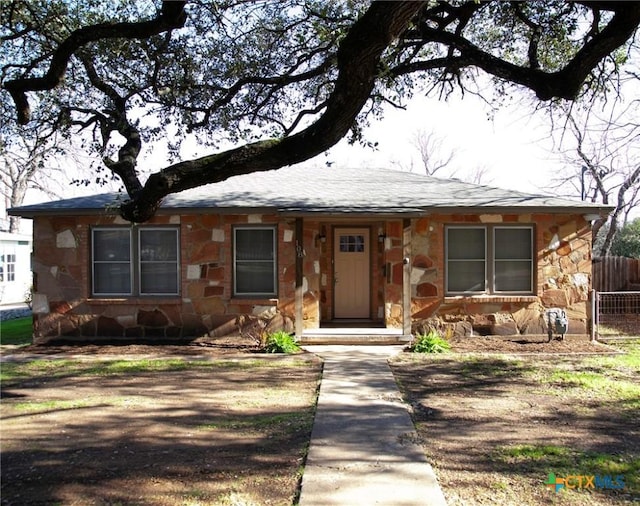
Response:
column 435, row 155
column 437, row 158
column 604, row 161
column 25, row 164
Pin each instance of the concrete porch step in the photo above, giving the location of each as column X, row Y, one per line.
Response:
column 354, row 336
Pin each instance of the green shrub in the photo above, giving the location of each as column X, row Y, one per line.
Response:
column 432, row 342
column 281, row 342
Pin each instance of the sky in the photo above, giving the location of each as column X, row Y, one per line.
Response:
column 513, row 146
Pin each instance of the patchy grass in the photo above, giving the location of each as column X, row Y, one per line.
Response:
column 281, row 422
column 474, row 366
column 572, row 462
column 495, row 426
column 59, row 368
column 629, row 361
column 43, row 406
column 614, row 378
column 18, row 331
column 45, row 368
column 626, row 330
column 163, row 431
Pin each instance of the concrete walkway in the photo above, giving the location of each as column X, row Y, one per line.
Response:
column 363, row 445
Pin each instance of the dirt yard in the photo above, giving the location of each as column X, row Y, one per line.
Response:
column 153, row 428
column 200, row 425
column 494, row 426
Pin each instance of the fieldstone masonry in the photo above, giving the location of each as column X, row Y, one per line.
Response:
column 563, row 246
column 64, row 307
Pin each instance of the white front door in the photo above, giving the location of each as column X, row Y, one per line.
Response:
column 351, row 273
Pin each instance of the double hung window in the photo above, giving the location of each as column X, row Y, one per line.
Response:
column 489, row 259
column 142, row 261
column 254, row 261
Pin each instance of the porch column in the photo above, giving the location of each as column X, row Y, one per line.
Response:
column 299, row 292
column 406, row 276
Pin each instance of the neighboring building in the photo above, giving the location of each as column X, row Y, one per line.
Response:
column 15, row 268
column 304, row 248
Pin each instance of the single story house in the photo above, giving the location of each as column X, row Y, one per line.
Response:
column 15, row 268
column 305, row 249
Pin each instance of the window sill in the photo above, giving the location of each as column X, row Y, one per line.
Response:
column 253, row 300
column 479, row 299
column 136, row 299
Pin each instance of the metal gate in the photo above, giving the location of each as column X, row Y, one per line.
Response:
column 616, row 314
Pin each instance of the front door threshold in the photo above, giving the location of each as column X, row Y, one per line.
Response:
column 354, row 336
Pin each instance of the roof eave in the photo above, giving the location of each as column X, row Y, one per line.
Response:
column 592, row 209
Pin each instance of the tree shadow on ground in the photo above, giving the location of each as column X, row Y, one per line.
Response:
column 166, row 437
column 474, row 416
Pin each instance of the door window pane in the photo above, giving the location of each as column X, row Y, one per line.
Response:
column 11, row 267
column 351, row 244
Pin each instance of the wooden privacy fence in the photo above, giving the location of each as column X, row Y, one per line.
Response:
column 615, row 274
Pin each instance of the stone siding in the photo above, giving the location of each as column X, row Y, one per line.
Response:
column 63, row 306
column 562, row 279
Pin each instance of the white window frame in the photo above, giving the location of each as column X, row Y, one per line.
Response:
column 274, row 261
column 8, row 259
column 490, row 260
column 10, row 262
column 135, row 281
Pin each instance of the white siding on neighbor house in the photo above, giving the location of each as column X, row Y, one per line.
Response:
column 15, row 267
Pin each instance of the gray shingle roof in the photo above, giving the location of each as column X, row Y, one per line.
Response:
column 335, row 191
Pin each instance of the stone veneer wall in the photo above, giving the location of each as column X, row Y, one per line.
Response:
column 562, row 280
column 64, row 308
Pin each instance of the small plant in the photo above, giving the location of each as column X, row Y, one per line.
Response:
column 431, row 342
column 28, row 297
column 281, row 342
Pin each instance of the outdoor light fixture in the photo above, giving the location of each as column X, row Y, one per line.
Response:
column 321, row 238
column 591, row 217
column 554, row 243
column 381, row 237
